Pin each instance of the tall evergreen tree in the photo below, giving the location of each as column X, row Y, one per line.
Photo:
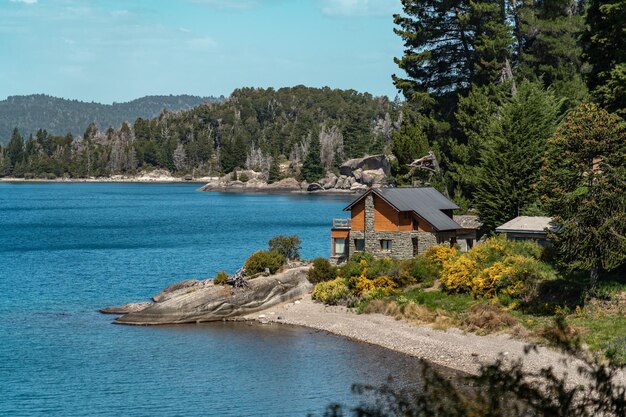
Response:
column 511, row 160
column 15, row 149
column 312, row 167
column 583, row 185
column 604, row 45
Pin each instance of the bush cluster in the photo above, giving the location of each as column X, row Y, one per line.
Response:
column 368, row 278
column 322, row 271
column 288, row 246
column 331, row 292
column 264, row 259
column 220, row 278
column 497, row 267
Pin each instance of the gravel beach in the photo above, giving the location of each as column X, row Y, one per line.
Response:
column 452, row 348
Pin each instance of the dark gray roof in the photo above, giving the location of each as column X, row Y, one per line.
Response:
column 426, row 202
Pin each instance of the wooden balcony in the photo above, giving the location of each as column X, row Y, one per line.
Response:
column 342, row 223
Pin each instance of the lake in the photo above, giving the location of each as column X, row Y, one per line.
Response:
column 67, row 250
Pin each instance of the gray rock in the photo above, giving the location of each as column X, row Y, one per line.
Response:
column 217, row 302
column 357, row 174
column 126, row 308
column 314, row 187
column 356, row 187
column 352, row 181
column 371, row 177
column 176, row 288
column 365, row 163
column 329, row 182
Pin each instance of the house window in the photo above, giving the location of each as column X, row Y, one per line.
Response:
column 340, row 246
column 385, row 245
column 359, row 245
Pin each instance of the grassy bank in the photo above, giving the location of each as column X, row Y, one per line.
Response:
column 498, row 286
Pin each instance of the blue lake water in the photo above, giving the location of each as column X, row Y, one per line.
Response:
column 67, row 250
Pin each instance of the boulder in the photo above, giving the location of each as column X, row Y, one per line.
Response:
column 285, row 184
column 357, row 187
column 357, row 174
column 314, row 187
column 218, row 302
column 329, row 182
column 371, row 177
column 366, row 163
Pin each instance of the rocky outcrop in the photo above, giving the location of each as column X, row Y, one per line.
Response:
column 255, row 182
column 208, row 302
column 367, row 163
column 355, row 176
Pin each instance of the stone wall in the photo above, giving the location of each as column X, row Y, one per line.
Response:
column 425, row 240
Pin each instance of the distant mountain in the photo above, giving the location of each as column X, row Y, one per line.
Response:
column 60, row 116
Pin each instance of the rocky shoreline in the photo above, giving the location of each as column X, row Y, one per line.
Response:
column 284, row 299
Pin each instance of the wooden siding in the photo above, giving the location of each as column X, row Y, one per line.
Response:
column 423, row 225
column 406, row 221
column 358, row 215
column 385, row 217
column 339, row 233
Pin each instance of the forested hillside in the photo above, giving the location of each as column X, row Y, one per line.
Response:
column 60, row 116
column 253, row 128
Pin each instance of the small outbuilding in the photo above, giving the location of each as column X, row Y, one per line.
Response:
column 469, row 233
column 527, row 228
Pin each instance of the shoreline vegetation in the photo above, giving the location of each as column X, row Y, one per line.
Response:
column 414, row 307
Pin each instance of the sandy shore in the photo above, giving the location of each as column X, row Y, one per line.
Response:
column 453, row 348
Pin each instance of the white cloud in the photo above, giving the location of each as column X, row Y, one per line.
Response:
column 203, row 43
column 361, row 7
column 24, row 1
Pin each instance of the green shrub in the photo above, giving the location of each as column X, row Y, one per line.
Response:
column 418, row 270
column 288, row 246
column 331, row 292
column 322, row 271
column 243, row 177
column 260, row 260
column 220, row 278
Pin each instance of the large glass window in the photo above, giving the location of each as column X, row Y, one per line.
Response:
column 340, row 246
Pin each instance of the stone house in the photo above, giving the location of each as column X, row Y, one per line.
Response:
column 394, row 222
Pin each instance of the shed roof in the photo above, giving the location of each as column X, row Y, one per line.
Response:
column 468, row 221
column 527, row 224
column 426, row 202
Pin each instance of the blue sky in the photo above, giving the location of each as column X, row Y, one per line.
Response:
column 117, row 50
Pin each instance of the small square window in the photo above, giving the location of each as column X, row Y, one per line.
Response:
column 385, row 245
column 359, row 245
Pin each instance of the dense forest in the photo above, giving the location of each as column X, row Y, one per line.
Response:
column 253, row 128
column 60, row 116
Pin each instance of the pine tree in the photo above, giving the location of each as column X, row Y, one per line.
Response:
column 274, row 171
column 511, row 160
column 583, row 186
column 15, row 149
column 604, row 45
column 312, row 168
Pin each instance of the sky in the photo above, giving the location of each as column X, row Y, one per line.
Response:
column 118, row 50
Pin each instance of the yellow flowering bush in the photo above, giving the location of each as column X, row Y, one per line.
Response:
column 496, row 267
column 440, row 254
column 364, row 285
column 457, row 273
column 331, row 292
